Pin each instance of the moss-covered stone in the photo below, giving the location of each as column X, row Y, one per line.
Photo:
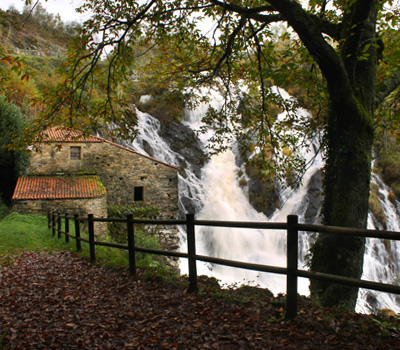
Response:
column 167, row 106
column 388, row 160
column 375, row 207
column 263, row 194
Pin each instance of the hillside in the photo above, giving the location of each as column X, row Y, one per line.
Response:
column 34, row 34
column 32, row 46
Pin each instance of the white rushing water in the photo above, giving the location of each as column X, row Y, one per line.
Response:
column 217, row 195
column 381, row 258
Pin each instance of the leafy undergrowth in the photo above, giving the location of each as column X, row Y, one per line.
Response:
column 59, row 301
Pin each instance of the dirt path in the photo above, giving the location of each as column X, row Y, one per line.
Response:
column 62, row 302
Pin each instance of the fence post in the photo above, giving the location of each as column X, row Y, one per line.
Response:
column 91, row 239
column 291, row 278
column 66, row 228
column 191, row 246
column 59, row 225
column 77, row 234
column 53, row 223
column 131, row 244
column 48, row 217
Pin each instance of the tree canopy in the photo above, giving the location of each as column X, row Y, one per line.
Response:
column 344, row 54
column 12, row 163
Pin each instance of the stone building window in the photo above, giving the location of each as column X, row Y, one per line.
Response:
column 75, row 153
column 138, row 193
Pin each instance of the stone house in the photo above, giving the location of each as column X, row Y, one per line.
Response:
column 129, row 178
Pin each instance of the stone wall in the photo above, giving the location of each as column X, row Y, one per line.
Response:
column 82, row 207
column 129, row 177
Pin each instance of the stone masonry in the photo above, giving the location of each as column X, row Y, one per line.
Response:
column 81, row 206
column 129, row 177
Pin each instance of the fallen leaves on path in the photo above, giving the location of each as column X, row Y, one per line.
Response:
column 62, row 302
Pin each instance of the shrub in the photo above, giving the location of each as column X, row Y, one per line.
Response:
column 3, row 209
column 117, row 230
column 12, row 163
column 144, row 237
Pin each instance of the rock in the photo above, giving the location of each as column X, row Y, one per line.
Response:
column 185, row 142
column 314, row 195
column 263, row 195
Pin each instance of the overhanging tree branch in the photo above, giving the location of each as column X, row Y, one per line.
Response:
column 310, row 34
column 386, row 87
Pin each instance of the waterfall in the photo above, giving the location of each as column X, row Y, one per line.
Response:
column 217, row 195
column 381, row 258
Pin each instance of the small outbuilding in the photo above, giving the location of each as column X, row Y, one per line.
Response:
column 67, row 193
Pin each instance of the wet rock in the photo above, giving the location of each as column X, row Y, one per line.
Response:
column 314, row 195
column 185, row 142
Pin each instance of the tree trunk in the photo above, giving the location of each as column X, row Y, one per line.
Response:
column 346, row 188
column 349, row 140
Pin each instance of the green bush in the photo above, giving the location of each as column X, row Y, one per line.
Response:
column 12, row 163
column 145, row 237
column 3, row 208
column 389, row 161
column 167, row 106
column 118, row 231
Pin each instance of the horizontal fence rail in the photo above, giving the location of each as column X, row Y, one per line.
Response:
column 292, row 228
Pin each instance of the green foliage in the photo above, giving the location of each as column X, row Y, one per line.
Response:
column 27, row 232
column 30, row 233
column 388, row 161
column 12, row 163
column 44, row 65
column 2, row 344
column 162, row 274
column 167, row 106
column 336, row 53
column 120, row 211
column 3, row 208
column 387, row 321
column 40, row 40
column 145, row 237
column 117, row 231
column 375, row 206
column 112, row 258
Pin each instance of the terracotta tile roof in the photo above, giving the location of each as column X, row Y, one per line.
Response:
column 58, row 187
column 60, row 134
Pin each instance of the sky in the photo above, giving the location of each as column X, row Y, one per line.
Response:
column 65, row 8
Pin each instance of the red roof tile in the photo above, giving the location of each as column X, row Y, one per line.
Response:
column 60, row 134
column 58, row 187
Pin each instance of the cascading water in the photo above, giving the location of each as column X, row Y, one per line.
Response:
column 217, row 195
column 381, row 258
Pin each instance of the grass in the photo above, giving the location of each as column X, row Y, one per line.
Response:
column 31, row 233
column 27, row 232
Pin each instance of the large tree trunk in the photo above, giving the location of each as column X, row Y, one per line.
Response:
column 349, row 136
column 346, row 188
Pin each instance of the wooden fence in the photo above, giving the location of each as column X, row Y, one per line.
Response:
column 292, row 228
